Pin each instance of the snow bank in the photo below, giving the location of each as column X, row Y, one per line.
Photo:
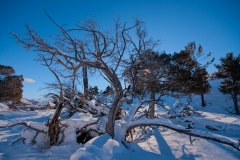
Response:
column 77, row 122
column 41, row 103
column 92, row 104
column 40, row 139
column 18, row 113
column 25, row 101
column 105, row 148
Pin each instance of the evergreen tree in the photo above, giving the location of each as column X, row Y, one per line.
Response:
column 152, row 73
column 108, row 90
column 10, row 85
column 201, row 84
column 190, row 76
column 182, row 70
column 95, row 89
column 229, row 71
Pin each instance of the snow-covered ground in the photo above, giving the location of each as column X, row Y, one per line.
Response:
column 163, row 144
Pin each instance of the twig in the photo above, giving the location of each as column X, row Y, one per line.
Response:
column 23, row 139
column 227, row 110
column 190, row 138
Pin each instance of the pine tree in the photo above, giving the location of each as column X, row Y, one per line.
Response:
column 108, row 90
column 95, row 89
column 182, row 70
column 190, row 76
column 201, row 84
column 10, row 85
column 229, row 71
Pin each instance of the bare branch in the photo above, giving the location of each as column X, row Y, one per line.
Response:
column 25, row 124
column 191, row 132
column 23, row 139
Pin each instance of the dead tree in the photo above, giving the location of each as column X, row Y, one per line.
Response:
column 53, row 126
column 98, row 48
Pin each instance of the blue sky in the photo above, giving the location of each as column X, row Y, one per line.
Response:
column 215, row 24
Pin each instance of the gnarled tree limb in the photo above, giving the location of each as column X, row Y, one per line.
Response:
column 191, row 132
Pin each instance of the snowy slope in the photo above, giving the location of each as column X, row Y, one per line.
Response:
column 163, row 144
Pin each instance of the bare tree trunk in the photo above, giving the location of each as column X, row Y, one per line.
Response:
column 235, row 103
column 152, row 106
column 73, row 85
column 85, row 81
column 53, row 127
column 101, row 46
column 73, row 89
column 112, row 113
column 203, row 101
column 117, row 103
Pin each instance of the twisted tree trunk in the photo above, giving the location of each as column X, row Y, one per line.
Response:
column 53, row 127
column 117, row 102
column 112, row 113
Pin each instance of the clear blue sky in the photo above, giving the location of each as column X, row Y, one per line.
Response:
column 215, row 24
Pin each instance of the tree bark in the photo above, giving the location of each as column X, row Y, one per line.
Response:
column 53, row 127
column 203, row 101
column 117, row 103
column 85, row 81
column 235, row 102
column 151, row 106
column 112, row 113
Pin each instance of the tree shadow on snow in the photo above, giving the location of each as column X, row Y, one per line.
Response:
column 187, row 154
column 166, row 150
column 227, row 149
column 162, row 144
